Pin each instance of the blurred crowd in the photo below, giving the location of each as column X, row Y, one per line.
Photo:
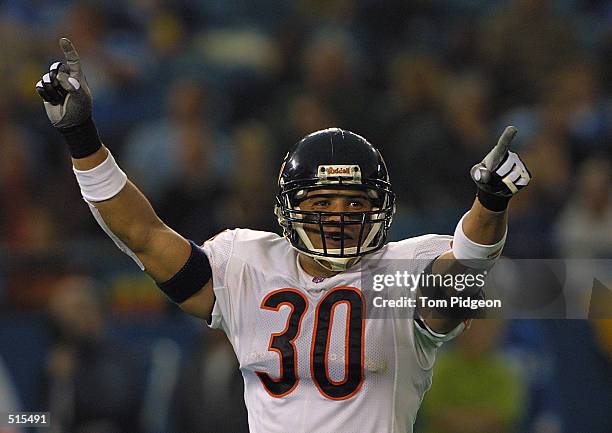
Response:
column 200, row 100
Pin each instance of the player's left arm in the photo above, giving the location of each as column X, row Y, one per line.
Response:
column 480, row 235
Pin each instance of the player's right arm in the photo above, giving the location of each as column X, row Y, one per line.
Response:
column 117, row 204
column 480, row 235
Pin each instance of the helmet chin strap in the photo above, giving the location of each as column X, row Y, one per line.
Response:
column 334, row 264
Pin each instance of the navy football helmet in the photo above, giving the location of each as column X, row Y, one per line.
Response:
column 334, row 159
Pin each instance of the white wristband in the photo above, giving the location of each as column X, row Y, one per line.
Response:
column 475, row 255
column 101, row 182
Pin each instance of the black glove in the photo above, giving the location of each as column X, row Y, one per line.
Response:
column 68, row 102
column 501, row 174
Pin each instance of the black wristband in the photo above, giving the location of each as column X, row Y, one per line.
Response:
column 82, row 140
column 492, row 202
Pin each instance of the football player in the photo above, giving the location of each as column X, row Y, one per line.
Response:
column 293, row 307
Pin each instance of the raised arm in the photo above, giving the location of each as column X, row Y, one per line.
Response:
column 118, row 206
column 480, row 235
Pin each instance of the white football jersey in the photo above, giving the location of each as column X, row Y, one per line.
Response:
column 311, row 361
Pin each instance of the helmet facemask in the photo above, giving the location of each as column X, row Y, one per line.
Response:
column 348, row 244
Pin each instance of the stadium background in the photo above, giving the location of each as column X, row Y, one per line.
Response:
column 199, row 100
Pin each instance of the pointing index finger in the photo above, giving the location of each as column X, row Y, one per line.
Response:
column 496, row 155
column 71, row 54
column 506, row 137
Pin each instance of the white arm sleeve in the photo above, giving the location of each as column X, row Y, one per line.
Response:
column 425, row 334
column 123, row 247
column 219, row 250
column 430, row 249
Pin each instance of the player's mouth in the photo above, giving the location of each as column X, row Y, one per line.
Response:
column 338, row 236
column 336, row 240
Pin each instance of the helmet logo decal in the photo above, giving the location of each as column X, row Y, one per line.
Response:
column 351, row 172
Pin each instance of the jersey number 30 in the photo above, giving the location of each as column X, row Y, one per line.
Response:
column 283, row 342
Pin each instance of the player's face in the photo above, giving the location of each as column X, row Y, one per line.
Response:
column 336, row 200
